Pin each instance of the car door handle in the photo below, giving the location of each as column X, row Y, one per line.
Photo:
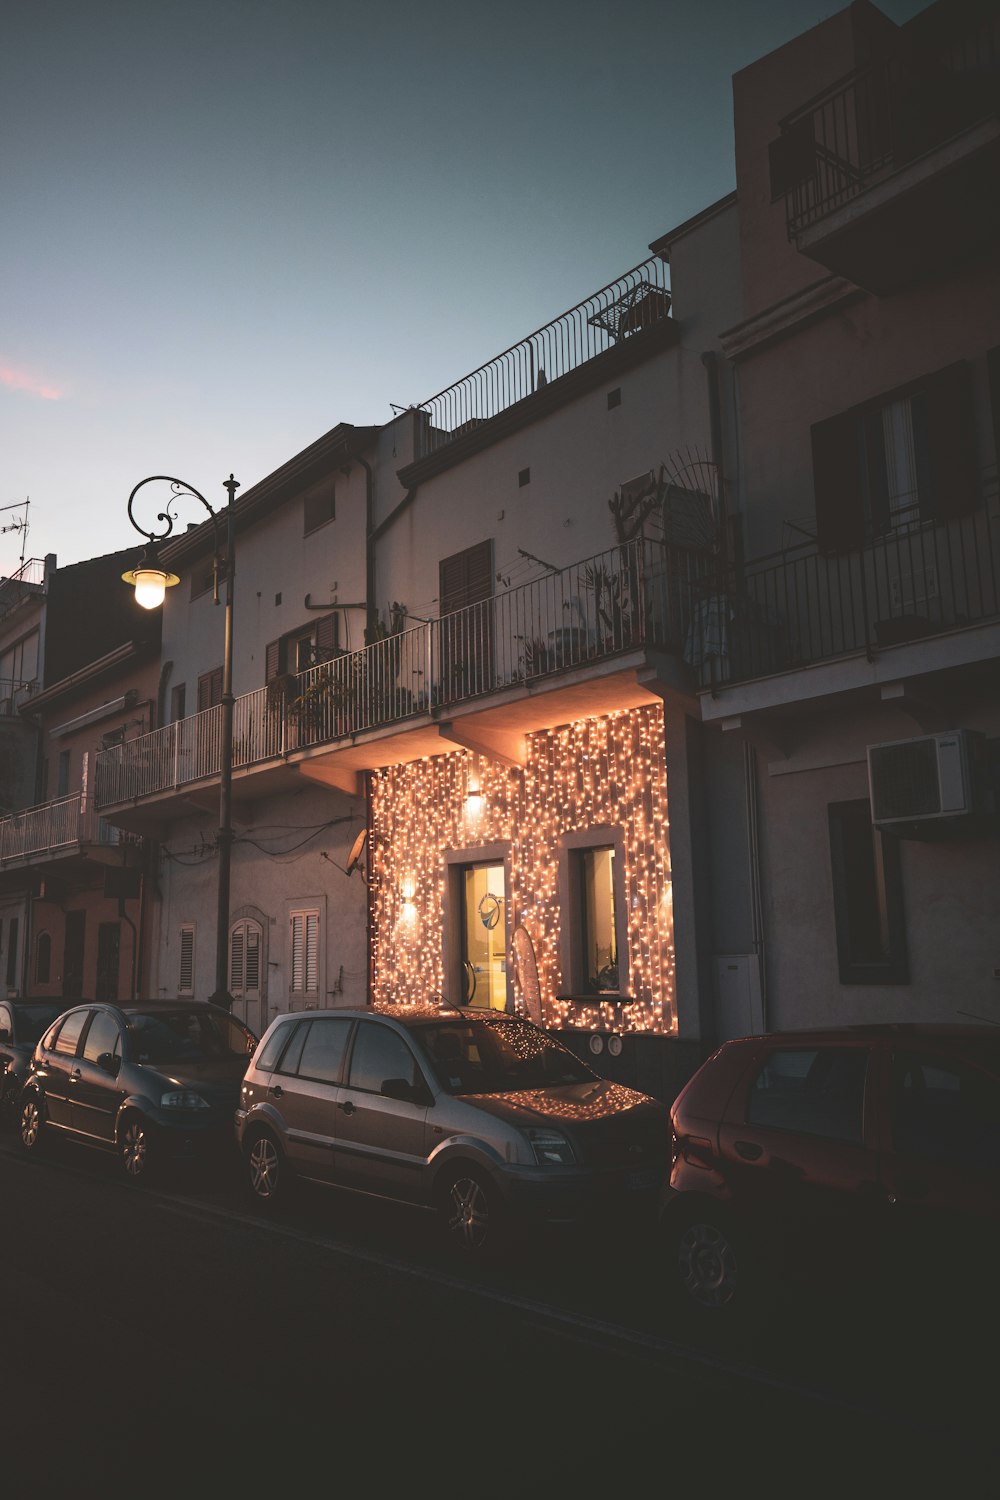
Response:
column 749, row 1150
column 276, row 1090
column 348, row 1107
column 74, row 1077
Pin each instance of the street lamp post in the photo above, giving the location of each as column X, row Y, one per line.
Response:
column 151, row 581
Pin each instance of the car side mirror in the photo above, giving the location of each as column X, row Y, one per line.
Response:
column 410, row 1093
column 109, row 1063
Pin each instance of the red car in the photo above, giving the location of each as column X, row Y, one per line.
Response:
column 869, row 1151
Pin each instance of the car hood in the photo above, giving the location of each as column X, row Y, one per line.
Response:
column 570, row 1103
column 216, row 1079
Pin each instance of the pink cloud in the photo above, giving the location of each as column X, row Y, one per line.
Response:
column 22, row 380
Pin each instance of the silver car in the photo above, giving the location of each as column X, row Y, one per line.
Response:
column 477, row 1115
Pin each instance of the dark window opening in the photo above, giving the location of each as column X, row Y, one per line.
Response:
column 177, row 702
column 867, row 898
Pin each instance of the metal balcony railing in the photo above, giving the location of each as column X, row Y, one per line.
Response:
column 631, row 597
column 877, row 120
column 917, row 580
column 26, row 580
column 52, row 827
column 12, row 694
column 633, row 302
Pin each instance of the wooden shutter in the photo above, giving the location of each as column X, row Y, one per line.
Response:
column 210, row 689
column 951, row 441
column 236, row 953
column 252, row 975
column 840, row 511
column 466, row 578
column 272, row 660
column 305, row 952
column 327, row 637
column 185, row 978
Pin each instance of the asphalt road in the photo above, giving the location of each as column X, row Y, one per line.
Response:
column 173, row 1341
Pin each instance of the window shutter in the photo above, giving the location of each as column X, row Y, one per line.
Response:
column 312, row 952
column 210, row 689
column 951, row 441
column 466, row 578
column 252, row 975
column 272, row 660
column 236, row 958
column 993, row 369
column 840, row 514
column 327, row 637
column 185, row 979
column 305, row 952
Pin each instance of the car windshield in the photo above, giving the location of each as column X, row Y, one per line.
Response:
column 498, row 1055
column 184, row 1035
column 31, row 1021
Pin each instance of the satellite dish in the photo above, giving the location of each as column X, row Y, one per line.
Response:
column 526, row 971
column 354, row 858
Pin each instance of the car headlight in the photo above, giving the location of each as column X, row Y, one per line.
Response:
column 183, row 1099
column 551, row 1149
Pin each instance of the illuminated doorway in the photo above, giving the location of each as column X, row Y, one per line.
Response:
column 484, row 936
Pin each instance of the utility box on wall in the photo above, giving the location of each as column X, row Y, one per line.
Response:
column 739, row 1005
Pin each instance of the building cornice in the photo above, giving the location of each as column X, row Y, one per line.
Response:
column 788, row 316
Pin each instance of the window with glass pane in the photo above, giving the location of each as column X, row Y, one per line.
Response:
column 598, row 917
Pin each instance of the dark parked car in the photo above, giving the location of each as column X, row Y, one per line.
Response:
column 870, row 1153
column 151, row 1080
column 481, row 1116
column 21, row 1024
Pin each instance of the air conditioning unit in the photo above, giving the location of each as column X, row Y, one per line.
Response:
column 931, row 779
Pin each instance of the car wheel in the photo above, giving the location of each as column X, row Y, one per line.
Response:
column 134, row 1149
column 713, row 1264
column 32, row 1124
column 472, row 1214
column 266, row 1169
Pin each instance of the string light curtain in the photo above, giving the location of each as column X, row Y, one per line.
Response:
column 592, row 773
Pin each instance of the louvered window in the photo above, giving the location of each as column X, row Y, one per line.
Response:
column 305, row 953
column 185, row 978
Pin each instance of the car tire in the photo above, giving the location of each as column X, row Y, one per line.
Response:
column 31, row 1124
column 266, row 1170
column 472, row 1215
column 713, row 1266
column 135, row 1150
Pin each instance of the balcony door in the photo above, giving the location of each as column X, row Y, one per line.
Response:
column 466, row 608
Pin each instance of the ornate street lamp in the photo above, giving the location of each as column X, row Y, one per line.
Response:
column 151, row 582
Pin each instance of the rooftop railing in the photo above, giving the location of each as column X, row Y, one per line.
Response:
column 626, row 306
column 26, row 580
column 631, row 597
column 53, row 827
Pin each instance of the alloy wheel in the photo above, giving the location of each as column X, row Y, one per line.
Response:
column 135, row 1149
column 263, row 1167
column 708, row 1264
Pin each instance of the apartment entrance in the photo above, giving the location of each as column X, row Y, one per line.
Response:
column 484, row 936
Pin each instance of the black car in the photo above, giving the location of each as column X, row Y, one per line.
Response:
column 21, row 1024
column 153, row 1080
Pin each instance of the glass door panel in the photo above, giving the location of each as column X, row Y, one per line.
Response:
column 484, row 937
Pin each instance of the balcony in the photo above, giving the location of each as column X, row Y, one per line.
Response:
column 13, row 694
column 892, row 172
column 576, row 641
column 609, row 328
column 28, row 579
column 60, row 829
column 927, row 592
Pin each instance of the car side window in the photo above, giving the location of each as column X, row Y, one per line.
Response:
column 380, row 1053
column 944, row 1110
column 102, row 1037
column 274, row 1046
column 69, row 1033
column 6, row 1024
column 815, row 1091
column 323, row 1051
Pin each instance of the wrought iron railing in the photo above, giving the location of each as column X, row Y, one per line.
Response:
column 631, row 597
column 52, row 827
column 626, row 306
column 879, row 119
column 13, row 693
column 918, row 580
